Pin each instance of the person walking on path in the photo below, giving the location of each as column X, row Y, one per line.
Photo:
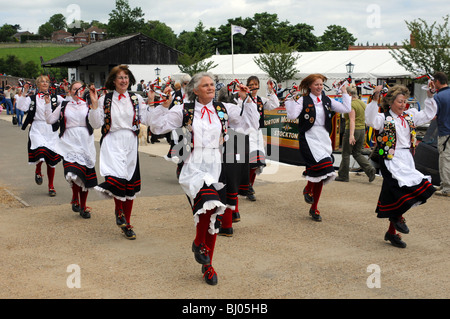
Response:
column 313, row 110
column 204, row 123
column 353, row 139
column 442, row 99
column 8, row 102
column 403, row 185
column 76, row 146
column 42, row 137
column 19, row 113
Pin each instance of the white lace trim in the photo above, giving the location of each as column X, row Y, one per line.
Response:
column 325, row 178
column 106, row 194
column 209, row 205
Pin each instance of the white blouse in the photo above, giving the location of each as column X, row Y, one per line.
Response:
column 75, row 114
column 376, row 120
column 294, row 108
column 122, row 112
column 203, row 166
column 24, row 102
column 402, row 166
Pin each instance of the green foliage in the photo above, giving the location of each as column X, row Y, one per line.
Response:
column 262, row 28
column 11, row 65
column 160, row 32
column 278, row 61
column 429, row 51
column 24, row 60
column 193, row 64
column 123, row 20
column 46, row 30
column 7, row 31
column 336, row 38
column 58, row 22
column 195, row 43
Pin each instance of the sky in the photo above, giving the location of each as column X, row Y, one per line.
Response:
column 369, row 21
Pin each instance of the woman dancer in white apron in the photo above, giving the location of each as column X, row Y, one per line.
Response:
column 76, row 146
column 204, row 124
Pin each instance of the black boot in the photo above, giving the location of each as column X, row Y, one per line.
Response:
column 201, row 253
column 308, row 197
column 399, row 224
column 209, row 274
column 315, row 214
column 395, row 240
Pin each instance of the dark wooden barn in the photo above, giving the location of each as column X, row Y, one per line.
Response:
column 92, row 63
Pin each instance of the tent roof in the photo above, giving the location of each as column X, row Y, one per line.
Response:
column 369, row 64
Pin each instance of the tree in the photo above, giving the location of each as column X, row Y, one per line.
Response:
column 12, row 65
column 301, row 34
column 58, row 22
column 429, row 50
column 7, row 31
column 124, row 20
column 46, row 30
column 196, row 42
column 193, row 64
column 161, row 32
column 78, row 26
column 278, row 61
column 336, row 38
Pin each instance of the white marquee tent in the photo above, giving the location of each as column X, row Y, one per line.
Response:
column 370, row 65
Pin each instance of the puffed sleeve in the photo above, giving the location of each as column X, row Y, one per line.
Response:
column 96, row 117
column 243, row 117
column 374, row 118
column 271, row 102
column 293, row 108
column 425, row 115
column 144, row 111
column 162, row 120
column 52, row 117
column 344, row 107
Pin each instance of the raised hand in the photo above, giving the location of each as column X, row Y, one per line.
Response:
column 94, row 97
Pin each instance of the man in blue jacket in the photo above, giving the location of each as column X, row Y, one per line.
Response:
column 442, row 99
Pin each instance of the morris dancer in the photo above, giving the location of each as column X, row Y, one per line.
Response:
column 42, row 137
column 76, row 146
column 313, row 111
column 204, row 126
column 257, row 151
column 403, row 186
column 236, row 165
column 117, row 114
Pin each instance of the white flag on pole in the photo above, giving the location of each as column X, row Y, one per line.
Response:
column 237, row 29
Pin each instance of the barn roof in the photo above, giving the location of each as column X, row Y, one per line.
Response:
column 130, row 49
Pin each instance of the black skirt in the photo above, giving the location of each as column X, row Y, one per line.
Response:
column 210, row 193
column 314, row 169
column 237, row 167
column 121, row 188
column 395, row 200
column 42, row 153
column 87, row 175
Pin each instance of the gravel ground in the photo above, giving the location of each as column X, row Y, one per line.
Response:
column 277, row 251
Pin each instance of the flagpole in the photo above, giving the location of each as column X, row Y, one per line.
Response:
column 232, row 52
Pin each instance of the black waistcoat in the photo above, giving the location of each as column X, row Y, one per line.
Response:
column 62, row 121
column 307, row 116
column 32, row 112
